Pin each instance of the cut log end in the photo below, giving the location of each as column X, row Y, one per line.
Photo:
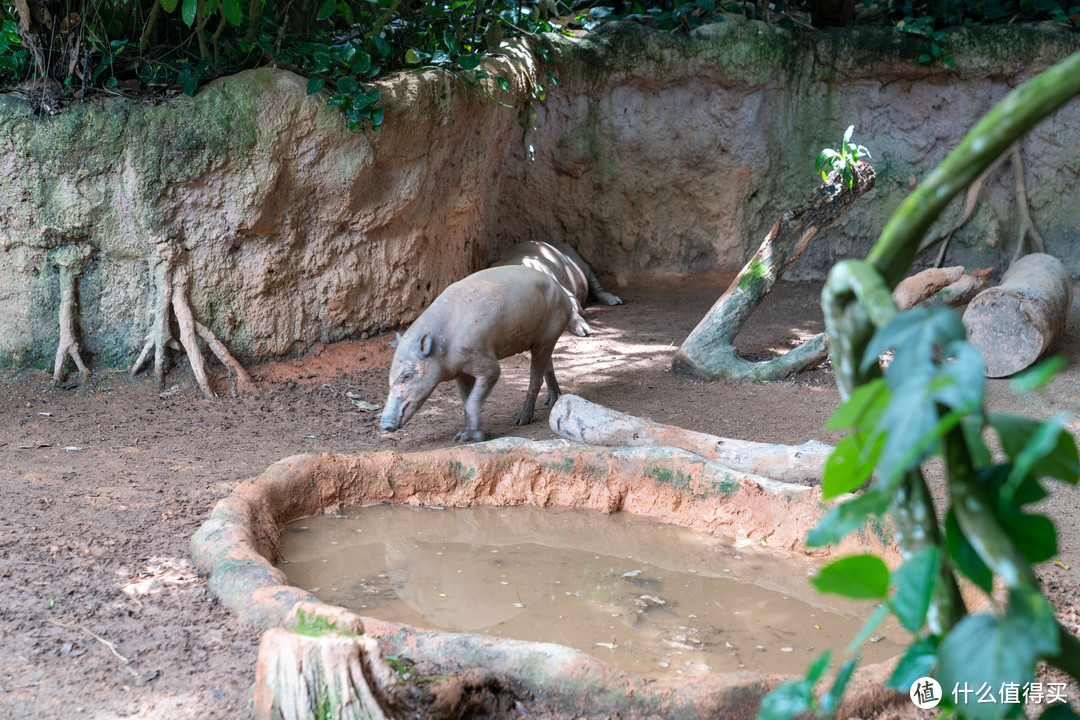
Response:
column 1013, row 324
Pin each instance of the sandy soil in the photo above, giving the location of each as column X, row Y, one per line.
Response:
column 102, row 614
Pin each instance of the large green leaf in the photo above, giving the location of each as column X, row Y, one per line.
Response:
column 987, row 651
column 169, row 5
column 915, row 581
column 1042, row 449
column 913, row 335
column 1033, row 535
column 964, row 557
column 855, row 576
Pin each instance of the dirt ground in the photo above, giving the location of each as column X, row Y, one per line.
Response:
column 103, row 616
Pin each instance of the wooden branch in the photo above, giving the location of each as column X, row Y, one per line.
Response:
column 1013, row 323
column 709, row 351
column 577, row 419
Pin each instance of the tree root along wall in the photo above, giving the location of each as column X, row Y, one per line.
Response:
column 294, row 232
column 235, row 546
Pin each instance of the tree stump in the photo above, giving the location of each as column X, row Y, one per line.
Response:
column 577, row 419
column 321, row 667
column 1013, row 323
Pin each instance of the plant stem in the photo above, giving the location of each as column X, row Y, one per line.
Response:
column 915, row 518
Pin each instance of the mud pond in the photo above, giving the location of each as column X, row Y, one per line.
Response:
column 653, row 599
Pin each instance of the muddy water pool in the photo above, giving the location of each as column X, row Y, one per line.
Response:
column 653, row 599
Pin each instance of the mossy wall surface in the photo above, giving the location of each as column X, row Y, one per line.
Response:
column 654, row 154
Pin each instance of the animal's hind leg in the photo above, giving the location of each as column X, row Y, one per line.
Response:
column 552, row 385
column 539, row 370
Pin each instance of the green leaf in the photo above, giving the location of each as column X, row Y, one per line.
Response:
column 381, row 45
column 992, row 650
column 950, row 61
column 325, row 10
column 964, row 556
column 797, row 697
column 849, row 516
column 314, row 85
column 411, row 57
column 848, row 132
column 915, row 581
column 914, row 334
column 187, row 11
column 917, row 662
column 831, row 700
column 469, row 62
column 855, row 576
column 450, row 41
column 347, row 85
column 1042, row 449
column 361, row 64
column 850, row 465
column 233, row 13
column 169, row 5
column 1037, row 377
column 503, row 83
column 862, row 409
column 1033, row 535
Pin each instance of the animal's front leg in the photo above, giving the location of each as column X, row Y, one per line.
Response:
column 481, row 388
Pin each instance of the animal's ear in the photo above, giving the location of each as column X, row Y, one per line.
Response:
column 425, row 344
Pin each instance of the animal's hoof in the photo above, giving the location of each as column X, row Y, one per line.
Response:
column 524, row 419
column 470, row 436
column 609, row 299
column 580, row 328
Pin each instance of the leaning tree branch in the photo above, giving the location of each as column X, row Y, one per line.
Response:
column 709, row 351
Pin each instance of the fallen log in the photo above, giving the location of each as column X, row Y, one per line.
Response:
column 1013, row 323
column 709, row 351
column 577, row 419
column 939, row 286
column 321, row 666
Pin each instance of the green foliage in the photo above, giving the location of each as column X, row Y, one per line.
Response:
column 931, row 402
column 842, row 161
column 340, row 45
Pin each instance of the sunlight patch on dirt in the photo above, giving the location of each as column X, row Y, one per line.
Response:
column 161, row 573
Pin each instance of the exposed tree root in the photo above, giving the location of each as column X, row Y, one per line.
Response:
column 69, row 260
column 171, row 279
column 1026, row 226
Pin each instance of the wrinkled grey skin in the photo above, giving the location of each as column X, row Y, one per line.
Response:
column 561, row 262
column 474, row 323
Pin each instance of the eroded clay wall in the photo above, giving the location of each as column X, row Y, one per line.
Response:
column 654, row 154
column 672, row 155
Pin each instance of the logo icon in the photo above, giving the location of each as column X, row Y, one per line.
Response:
column 925, row 693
